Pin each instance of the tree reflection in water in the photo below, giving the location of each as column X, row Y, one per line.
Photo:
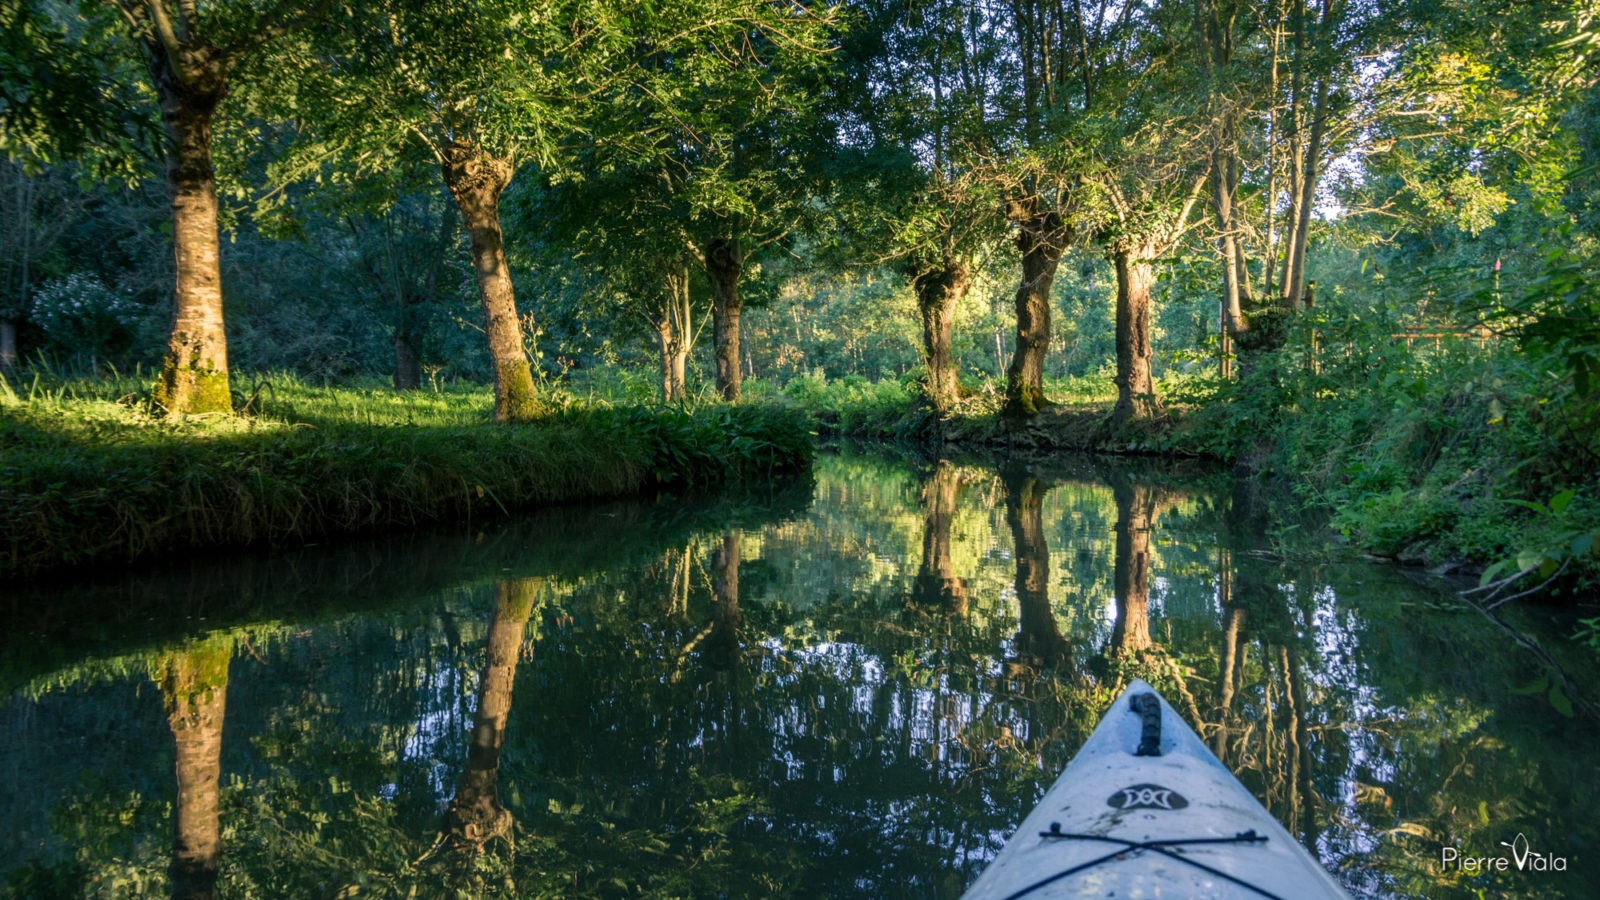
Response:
column 194, row 689
column 476, row 816
column 862, row 697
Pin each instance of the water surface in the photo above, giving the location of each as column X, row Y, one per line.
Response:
column 854, row 685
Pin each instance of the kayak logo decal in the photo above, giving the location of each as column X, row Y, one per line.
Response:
column 1147, row 796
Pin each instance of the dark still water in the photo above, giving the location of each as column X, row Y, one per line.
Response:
column 852, row 686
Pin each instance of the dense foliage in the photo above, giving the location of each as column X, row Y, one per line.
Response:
column 1351, row 241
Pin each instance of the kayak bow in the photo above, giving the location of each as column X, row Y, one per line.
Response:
column 1146, row 810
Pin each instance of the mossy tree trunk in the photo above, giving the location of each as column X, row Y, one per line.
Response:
column 194, row 688
column 724, row 265
column 1136, row 392
column 939, row 288
column 475, row 815
column 722, row 643
column 1041, row 238
column 191, row 79
column 476, row 179
column 1038, row 635
column 937, row 584
column 1136, row 504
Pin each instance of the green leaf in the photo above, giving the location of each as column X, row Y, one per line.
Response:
column 1560, row 701
column 1583, row 543
column 1558, row 503
column 1490, row 573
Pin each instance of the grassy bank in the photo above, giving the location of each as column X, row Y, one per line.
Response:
column 88, row 477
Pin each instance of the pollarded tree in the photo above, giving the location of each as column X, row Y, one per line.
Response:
column 475, row 90
column 1069, row 55
column 1148, row 170
column 730, row 176
column 481, row 89
column 191, row 51
column 914, row 105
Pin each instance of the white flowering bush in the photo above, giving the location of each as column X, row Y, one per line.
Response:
column 84, row 315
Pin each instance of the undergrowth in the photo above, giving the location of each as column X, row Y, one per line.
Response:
column 1468, row 451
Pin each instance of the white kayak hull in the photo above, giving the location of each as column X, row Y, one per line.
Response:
column 1108, row 798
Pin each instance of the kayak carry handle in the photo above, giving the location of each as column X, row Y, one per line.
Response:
column 1148, row 706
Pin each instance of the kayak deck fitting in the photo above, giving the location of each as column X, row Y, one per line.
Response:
column 1145, row 810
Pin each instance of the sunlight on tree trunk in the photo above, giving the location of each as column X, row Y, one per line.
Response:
column 1136, row 400
column 675, row 333
column 1041, row 238
column 194, row 372
column 938, row 291
column 476, row 180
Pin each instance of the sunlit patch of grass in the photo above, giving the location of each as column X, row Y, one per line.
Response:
column 89, row 473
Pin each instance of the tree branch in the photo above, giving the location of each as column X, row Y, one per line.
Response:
column 164, row 32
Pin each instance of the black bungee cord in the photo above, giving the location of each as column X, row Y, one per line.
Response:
column 1159, row 846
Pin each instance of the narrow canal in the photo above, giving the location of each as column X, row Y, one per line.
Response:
column 853, row 685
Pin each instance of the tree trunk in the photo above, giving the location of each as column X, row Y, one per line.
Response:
column 1041, row 239
column 1235, row 277
column 1135, row 509
column 722, row 644
column 476, row 180
column 938, row 291
column 194, row 687
column 407, row 368
column 1136, row 398
column 936, row 584
column 194, row 372
column 724, row 264
column 8, row 348
column 667, row 346
column 1038, row 636
column 1294, row 281
column 476, row 816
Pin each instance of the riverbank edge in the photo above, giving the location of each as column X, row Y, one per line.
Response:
column 1087, row 429
column 69, row 502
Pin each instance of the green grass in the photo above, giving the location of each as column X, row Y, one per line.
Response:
column 87, row 475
